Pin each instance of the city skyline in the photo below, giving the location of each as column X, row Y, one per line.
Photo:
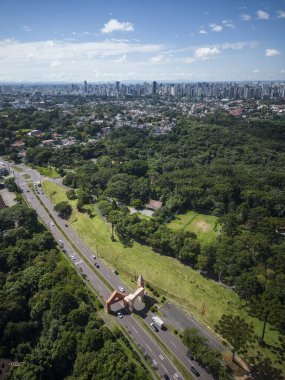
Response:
column 72, row 41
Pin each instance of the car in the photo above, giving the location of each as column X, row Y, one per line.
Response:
column 73, row 257
column 115, row 271
column 52, row 224
column 153, row 325
column 194, row 370
column 120, row 315
column 93, row 257
column 97, row 265
column 28, row 191
column 166, row 377
column 60, row 242
column 190, row 355
column 121, row 289
column 65, row 225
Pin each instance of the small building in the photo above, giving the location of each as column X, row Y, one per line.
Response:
column 154, row 205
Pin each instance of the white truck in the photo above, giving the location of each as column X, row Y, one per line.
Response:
column 159, row 322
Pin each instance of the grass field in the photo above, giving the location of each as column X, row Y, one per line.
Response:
column 48, row 172
column 181, row 284
column 202, row 225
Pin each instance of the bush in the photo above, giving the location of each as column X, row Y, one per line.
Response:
column 71, row 194
column 175, row 331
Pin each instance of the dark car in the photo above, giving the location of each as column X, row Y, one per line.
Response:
column 153, row 325
column 194, row 370
column 190, row 355
column 166, row 377
column 65, row 225
column 97, row 265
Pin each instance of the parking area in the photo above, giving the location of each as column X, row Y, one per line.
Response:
column 177, row 318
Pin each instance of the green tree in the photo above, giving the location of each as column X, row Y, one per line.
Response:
column 64, row 209
column 236, row 331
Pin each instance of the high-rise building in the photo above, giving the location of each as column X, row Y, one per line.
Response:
column 154, row 87
column 85, row 87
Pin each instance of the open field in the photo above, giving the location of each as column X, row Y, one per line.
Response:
column 48, row 172
column 202, row 225
column 178, row 282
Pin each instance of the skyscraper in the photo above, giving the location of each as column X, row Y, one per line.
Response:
column 154, row 87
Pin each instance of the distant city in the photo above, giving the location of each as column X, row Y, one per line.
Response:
column 198, row 90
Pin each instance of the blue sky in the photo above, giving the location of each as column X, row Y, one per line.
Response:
column 175, row 40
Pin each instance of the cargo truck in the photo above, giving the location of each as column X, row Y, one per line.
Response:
column 159, row 322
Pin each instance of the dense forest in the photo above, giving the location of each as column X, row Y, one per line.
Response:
column 234, row 170
column 48, row 319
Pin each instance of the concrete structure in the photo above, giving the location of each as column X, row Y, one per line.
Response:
column 114, row 298
column 128, row 300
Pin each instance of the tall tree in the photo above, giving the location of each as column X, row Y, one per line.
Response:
column 236, row 331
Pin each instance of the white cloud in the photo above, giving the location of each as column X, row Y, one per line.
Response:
column 238, row 45
column 216, row 27
column 114, row 25
column 228, row 24
column 27, row 28
column 271, row 52
column 245, row 17
column 206, row 52
column 156, row 58
column 262, row 15
column 55, row 64
column 121, row 59
column 280, row 14
column 71, row 61
column 202, row 31
column 256, row 71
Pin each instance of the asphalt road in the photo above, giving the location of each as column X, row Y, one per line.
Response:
column 145, row 342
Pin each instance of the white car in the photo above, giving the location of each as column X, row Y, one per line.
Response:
column 73, row 257
column 93, row 257
column 51, row 223
column 121, row 289
column 120, row 315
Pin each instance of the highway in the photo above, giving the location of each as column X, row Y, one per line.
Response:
column 142, row 338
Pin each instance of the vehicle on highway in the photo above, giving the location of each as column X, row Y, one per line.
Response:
column 65, row 225
column 97, row 265
column 93, row 257
column 120, row 315
column 28, row 191
column 155, row 328
column 166, row 377
column 121, row 289
column 73, row 257
column 51, row 223
column 115, row 271
column 194, row 370
column 190, row 355
column 61, row 243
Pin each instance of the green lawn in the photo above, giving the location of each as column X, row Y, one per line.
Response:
column 202, row 225
column 181, row 284
column 48, row 172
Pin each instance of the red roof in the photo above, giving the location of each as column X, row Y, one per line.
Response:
column 154, row 205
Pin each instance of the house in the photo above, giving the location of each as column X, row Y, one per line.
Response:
column 154, row 205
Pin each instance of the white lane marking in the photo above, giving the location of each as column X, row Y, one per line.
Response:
column 161, row 357
column 148, row 347
column 154, row 362
column 173, row 343
column 78, row 262
column 135, row 330
column 175, row 376
column 163, row 366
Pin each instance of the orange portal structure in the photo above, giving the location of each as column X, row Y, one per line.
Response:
column 129, row 300
column 114, row 298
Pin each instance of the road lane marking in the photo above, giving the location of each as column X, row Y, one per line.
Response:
column 173, row 343
column 78, row 262
column 161, row 357
column 135, row 330
column 148, row 347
